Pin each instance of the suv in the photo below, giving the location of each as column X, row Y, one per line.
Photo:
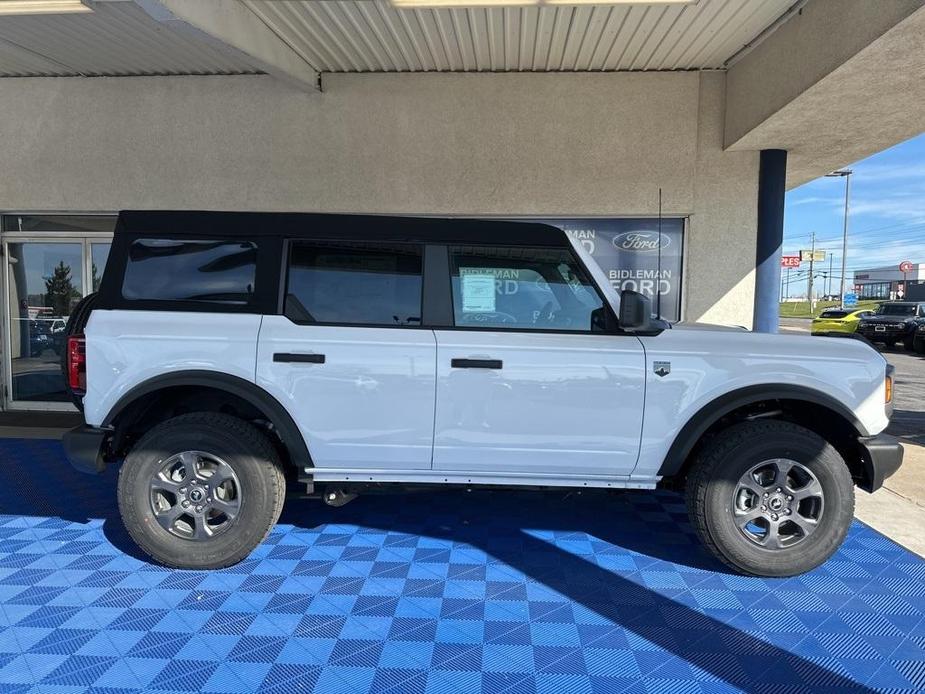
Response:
column 227, row 355
column 894, row 321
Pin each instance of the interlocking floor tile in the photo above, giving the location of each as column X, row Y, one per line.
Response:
column 495, row 592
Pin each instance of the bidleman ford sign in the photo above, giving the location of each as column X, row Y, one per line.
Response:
column 628, row 252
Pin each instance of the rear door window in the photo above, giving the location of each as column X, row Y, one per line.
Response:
column 221, row 272
column 355, row 283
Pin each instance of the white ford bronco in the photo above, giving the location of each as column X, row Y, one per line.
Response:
column 230, row 355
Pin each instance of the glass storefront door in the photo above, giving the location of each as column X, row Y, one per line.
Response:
column 45, row 282
column 47, row 273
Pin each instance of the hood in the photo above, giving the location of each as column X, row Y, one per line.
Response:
column 683, row 325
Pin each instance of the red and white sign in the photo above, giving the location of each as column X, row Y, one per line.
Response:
column 906, row 266
column 790, row 261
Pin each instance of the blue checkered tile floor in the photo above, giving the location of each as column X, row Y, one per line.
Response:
column 445, row 592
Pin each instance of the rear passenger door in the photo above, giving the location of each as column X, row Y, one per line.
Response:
column 349, row 358
column 531, row 379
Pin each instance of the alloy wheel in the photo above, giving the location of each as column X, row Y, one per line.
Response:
column 195, row 495
column 778, row 503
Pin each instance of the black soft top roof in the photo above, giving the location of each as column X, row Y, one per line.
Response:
column 338, row 226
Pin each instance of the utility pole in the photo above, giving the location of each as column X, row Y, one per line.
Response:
column 828, row 282
column 812, row 262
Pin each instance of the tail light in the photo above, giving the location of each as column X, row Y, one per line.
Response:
column 77, row 364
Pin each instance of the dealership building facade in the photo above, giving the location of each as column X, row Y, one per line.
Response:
column 583, row 115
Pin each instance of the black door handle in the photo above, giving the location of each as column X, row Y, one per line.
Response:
column 299, row 358
column 475, row 363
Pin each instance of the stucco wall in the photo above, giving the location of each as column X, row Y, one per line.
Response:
column 463, row 144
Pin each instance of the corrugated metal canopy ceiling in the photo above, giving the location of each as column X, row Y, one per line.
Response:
column 119, row 38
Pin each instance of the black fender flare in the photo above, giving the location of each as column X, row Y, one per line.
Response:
column 718, row 408
column 278, row 416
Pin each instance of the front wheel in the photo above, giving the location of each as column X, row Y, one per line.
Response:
column 201, row 491
column 919, row 345
column 770, row 498
column 909, row 343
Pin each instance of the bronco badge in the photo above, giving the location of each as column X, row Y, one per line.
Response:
column 661, row 368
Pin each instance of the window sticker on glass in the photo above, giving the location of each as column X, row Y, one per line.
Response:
column 478, row 291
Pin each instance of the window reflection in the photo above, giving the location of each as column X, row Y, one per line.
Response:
column 46, row 282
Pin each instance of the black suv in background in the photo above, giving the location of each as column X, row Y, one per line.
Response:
column 894, row 321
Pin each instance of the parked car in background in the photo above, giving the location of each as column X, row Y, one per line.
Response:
column 839, row 321
column 45, row 335
column 894, row 321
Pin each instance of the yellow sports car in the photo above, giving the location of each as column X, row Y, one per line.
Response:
column 838, row 320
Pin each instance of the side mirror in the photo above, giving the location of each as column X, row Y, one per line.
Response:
column 635, row 311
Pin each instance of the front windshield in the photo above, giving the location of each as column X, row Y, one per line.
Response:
column 896, row 310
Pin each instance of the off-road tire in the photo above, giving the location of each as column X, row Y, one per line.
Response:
column 890, row 344
column 919, row 345
column 712, row 481
column 254, row 461
column 909, row 343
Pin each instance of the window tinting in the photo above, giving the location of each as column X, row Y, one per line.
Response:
column 833, row 314
column 522, row 288
column 355, row 283
column 897, row 309
column 213, row 271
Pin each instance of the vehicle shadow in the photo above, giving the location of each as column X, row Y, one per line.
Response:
column 597, row 549
column 564, row 543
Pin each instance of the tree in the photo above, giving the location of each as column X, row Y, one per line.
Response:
column 60, row 291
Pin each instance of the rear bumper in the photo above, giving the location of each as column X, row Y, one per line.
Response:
column 882, row 455
column 84, row 446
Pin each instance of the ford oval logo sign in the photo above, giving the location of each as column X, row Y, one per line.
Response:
column 640, row 241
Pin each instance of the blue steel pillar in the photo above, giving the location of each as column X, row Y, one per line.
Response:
column 772, row 176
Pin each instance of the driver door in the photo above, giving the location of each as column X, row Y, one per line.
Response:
column 529, row 382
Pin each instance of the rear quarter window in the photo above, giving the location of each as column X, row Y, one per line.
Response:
column 213, row 271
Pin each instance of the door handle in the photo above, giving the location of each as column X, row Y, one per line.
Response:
column 475, row 363
column 298, row 358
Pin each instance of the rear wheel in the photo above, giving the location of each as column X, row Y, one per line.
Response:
column 770, row 498
column 201, row 491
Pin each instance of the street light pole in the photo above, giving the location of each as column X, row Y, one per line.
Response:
column 846, row 174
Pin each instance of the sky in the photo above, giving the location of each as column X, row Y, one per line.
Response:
column 886, row 223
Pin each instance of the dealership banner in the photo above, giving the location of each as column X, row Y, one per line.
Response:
column 628, row 252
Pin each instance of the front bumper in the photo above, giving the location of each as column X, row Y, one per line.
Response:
column 84, row 447
column 881, row 456
column 873, row 335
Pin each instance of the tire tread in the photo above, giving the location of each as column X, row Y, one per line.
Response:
column 259, row 446
column 706, row 467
